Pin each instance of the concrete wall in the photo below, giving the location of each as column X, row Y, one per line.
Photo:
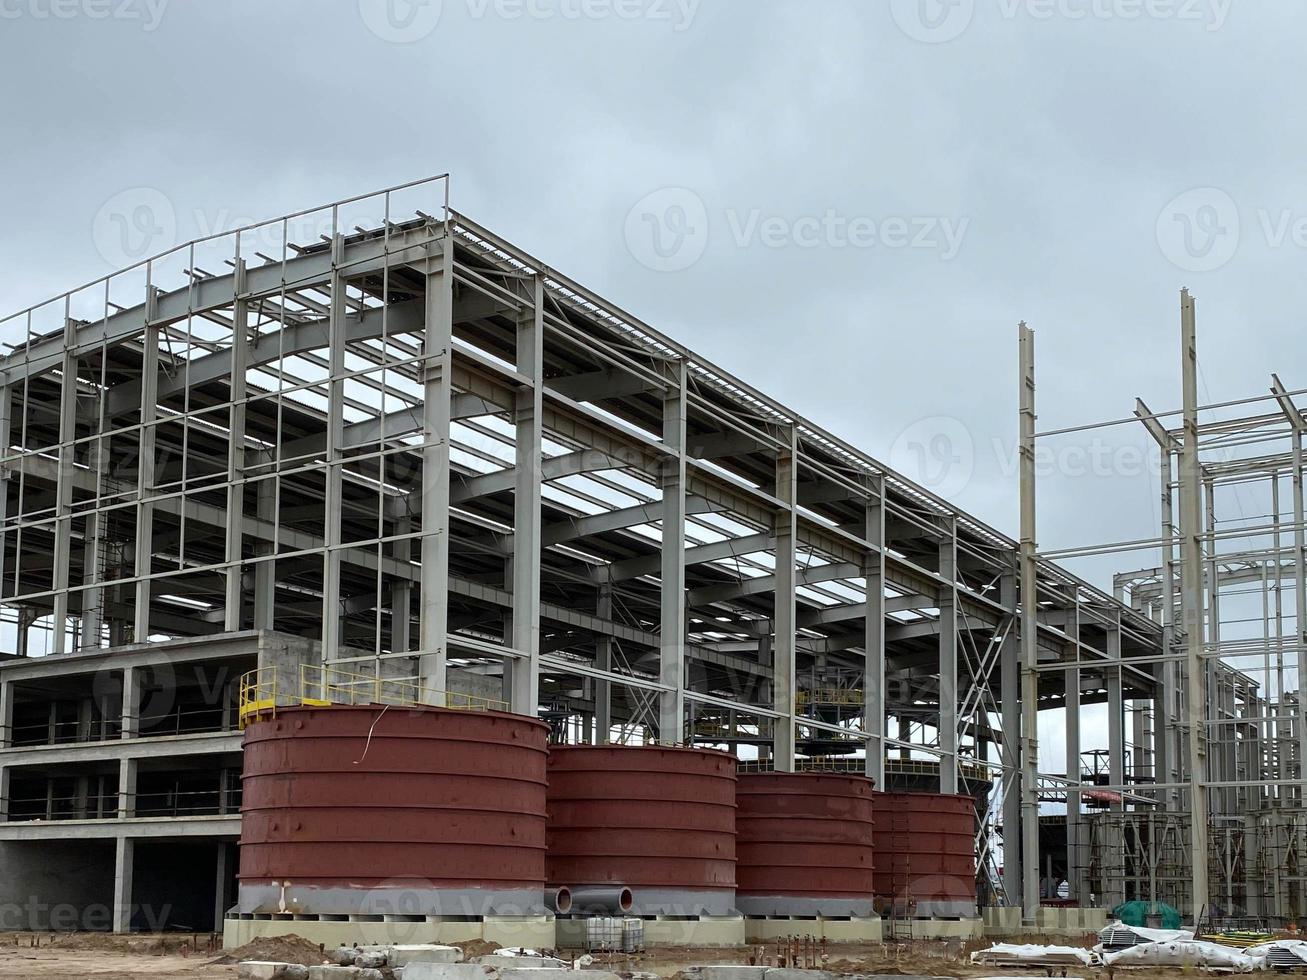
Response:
column 56, row 885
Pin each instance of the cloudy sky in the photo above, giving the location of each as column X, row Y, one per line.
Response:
column 849, row 204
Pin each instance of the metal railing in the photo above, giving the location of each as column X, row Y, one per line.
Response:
column 265, row 690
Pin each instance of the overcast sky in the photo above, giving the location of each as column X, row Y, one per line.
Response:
column 848, row 204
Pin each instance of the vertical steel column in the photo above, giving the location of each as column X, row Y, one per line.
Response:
column 145, row 472
column 1075, row 838
column 783, row 650
column 265, row 509
column 604, row 662
column 948, row 661
column 671, row 661
column 873, row 678
column 235, row 533
column 1010, row 689
column 529, row 435
column 93, row 549
column 4, row 793
column 1191, row 600
column 438, row 355
column 332, row 640
column 1299, row 590
column 1029, row 633
column 1113, row 679
column 63, row 539
column 401, row 589
column 124, row 855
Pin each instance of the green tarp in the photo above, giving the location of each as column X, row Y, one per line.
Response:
column 1137, row 914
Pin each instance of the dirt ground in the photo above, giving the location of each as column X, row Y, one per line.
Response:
column 102, row 957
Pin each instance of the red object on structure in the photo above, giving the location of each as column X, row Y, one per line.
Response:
column 447, row 806
column 805, row 844
column 925, row 852
column 657, row 819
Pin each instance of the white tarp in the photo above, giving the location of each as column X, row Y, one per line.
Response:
column 1182, row 952
column 1151, row 935
column 1296, row 948
column 1011, row 952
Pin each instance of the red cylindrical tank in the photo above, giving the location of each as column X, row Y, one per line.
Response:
column 925, row 853
column 660, row 820
column 402, row 811
column 804, row 844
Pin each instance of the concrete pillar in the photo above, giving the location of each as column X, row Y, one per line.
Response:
column 131, row 702
column 6, row 714
column 671, row 704
column 122, row 885
column 222, row 873
column 528, row 420
column 127, row 789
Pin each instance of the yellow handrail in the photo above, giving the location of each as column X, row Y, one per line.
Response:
column 263, row 690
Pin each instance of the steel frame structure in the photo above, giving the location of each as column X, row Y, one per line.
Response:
column 441, row 460
column 1214, row 767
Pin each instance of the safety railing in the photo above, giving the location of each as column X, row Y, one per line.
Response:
column 265, row 690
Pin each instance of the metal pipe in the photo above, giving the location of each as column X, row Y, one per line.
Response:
column 604, row 898
column 558, row 900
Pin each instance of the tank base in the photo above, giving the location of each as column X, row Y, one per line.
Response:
column 758, row 929
column 533, row 931
column 698, row 930
column 900, row 929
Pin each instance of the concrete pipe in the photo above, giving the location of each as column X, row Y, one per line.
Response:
column 609, row 899
column 558, row 900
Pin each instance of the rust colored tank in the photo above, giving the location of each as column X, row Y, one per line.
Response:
column 925, row 853
column 402, row 811
column 804, row 844
column 659, row 820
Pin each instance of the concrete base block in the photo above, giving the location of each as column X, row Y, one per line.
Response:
column 398, row 956
column 933, row 929
column 264, row 970
column 532, row 931
column 866, row 930
column 708, row 930
column 334, row 973
column 549, row 973
column 727, row 972
column 423, row 970
column 1052, row 921
column 502, row 962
